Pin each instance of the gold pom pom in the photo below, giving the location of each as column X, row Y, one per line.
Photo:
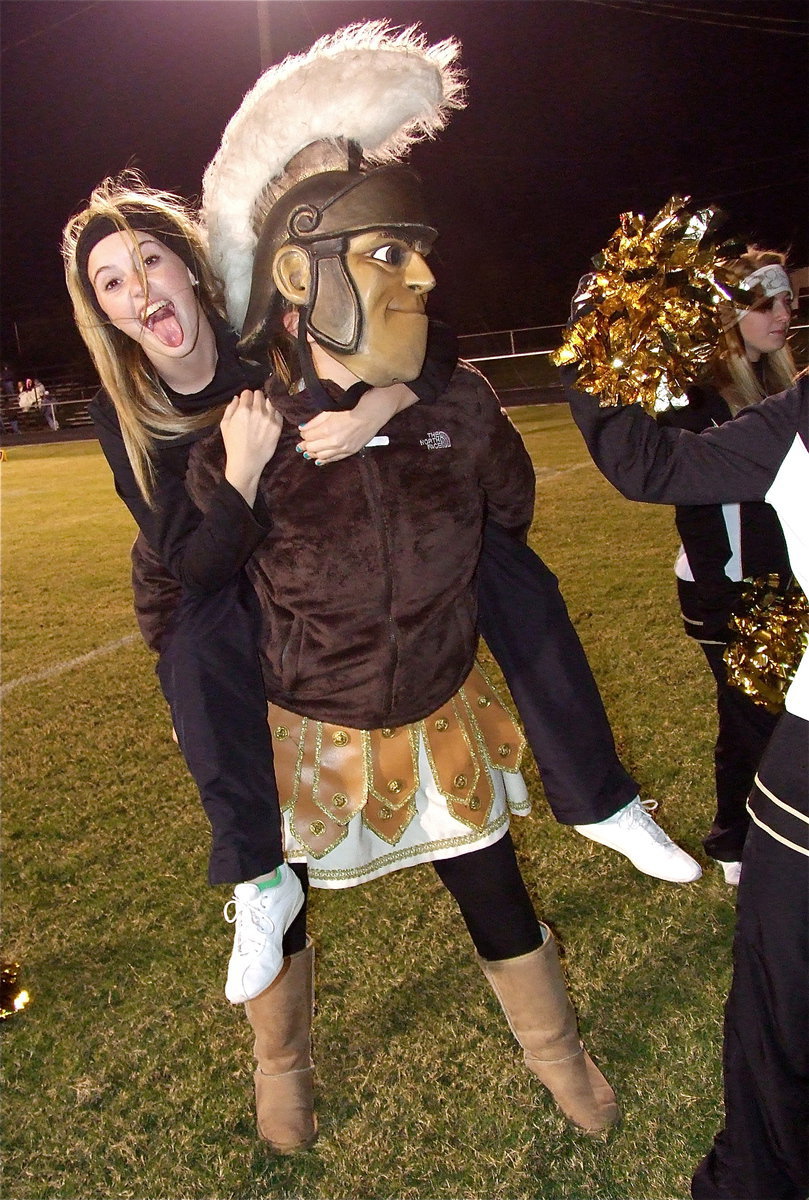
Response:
column 771, row 632
column 12, row 998
column 649, row 318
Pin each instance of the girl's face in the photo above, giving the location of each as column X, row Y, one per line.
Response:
column 764, row 329
column 147, row 292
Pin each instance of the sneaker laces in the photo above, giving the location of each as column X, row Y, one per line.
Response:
column 639, row 815
column 253, row 923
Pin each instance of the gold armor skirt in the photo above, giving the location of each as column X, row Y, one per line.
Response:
column 359, row 803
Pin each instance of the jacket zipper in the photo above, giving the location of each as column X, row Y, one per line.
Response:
column 373, row 490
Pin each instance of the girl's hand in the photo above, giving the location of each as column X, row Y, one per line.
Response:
column 250, row 429
column 330, row 436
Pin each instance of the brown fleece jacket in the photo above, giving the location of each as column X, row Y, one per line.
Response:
column 366, row 578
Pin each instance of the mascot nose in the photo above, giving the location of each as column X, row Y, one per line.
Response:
column 418, row 276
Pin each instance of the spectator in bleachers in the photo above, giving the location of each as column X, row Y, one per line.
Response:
column 48, row 408
column 36, row 403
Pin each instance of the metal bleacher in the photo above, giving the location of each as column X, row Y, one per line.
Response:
column 70, row 404
column 69, row 399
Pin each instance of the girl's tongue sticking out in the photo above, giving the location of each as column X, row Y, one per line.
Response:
column 161, row 320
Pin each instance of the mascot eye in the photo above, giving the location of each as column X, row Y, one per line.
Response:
column 391, row 253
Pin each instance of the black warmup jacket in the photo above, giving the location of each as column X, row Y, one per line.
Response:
column 199, row 551
column 764, row 452
column 707, row 602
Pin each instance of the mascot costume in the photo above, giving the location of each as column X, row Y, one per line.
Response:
column 391, row 746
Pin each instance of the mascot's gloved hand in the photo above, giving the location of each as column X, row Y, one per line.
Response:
column 581, row 304
column 582, row 301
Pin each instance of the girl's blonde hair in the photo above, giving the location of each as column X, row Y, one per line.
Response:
column 145, row 412
column 729, row 369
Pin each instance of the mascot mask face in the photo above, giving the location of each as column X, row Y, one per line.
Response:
column 392, row 281
column 348, row 249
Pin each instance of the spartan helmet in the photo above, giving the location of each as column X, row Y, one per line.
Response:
column 310, row 165
column 318, row 217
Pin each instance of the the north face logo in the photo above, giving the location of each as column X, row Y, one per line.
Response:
column 437, row 440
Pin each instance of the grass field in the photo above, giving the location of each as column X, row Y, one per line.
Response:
column 129, row 1075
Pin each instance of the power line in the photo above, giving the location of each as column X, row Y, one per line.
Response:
column 771, row 185
column 628, row 5
column 682, row 8
column 736, row 162
column 47, row 28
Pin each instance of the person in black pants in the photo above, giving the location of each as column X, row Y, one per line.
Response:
column 763, row 1151
column 149, row 309
column 724, row 544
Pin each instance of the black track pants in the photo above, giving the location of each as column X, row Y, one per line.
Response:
column 763, row 1151
column 528, row 630
column 211, row 677
column 744, row 730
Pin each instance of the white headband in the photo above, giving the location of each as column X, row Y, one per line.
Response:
column 768, row 281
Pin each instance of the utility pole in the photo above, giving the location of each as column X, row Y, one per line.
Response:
column 264, row 41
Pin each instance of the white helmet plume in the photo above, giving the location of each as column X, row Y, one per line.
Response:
column 368, row 83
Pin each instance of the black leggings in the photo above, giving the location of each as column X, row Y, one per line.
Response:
column 488, row 889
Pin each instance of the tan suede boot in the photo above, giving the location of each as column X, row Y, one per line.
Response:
column 281, row 1018
column 531, row 990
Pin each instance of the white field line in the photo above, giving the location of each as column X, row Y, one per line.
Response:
column 68, row 664
column 543, row 474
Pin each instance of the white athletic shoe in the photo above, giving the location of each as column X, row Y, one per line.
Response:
column 634, row 832
column 732, row 872
column 261, row 917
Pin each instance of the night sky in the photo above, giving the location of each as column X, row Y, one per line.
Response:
column 578, row 110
